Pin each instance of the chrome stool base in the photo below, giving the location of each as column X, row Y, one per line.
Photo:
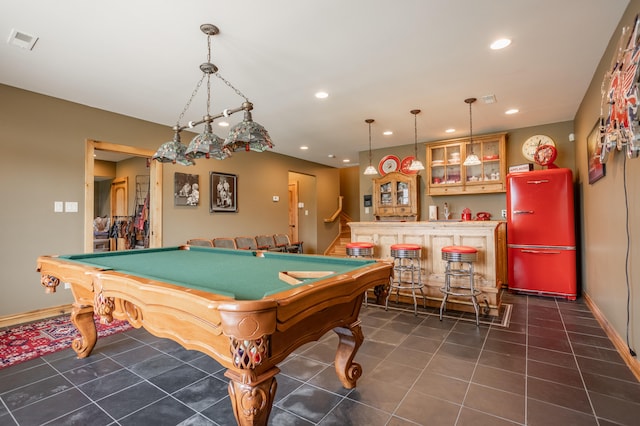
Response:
column 406, row 261
column 459, row 254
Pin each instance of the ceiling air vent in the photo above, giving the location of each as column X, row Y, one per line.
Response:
column 488, row 99
column 23, row 40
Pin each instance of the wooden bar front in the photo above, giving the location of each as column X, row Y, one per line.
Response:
column 489, row 237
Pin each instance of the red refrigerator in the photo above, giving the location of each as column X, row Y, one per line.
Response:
column 541, row 233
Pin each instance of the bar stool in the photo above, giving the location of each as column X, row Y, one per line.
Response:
column 459, row 254
column 361, row 249
column 406, row 261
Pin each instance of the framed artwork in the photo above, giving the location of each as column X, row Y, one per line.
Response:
column 595, row 167
column 186, row 189
column 224, row 192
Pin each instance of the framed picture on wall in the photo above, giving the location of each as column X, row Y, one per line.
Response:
column 595, row 167
column 224, row 192
column 187, row 189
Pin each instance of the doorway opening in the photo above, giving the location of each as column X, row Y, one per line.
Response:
column 303, row 216
column 153, row 194
column 293, row 211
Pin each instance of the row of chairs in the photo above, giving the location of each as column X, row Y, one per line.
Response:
column 276, row 242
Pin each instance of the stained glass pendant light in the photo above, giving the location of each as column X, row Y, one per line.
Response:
column 247, row 135
column 173, row 151
column 370, row 170
column 207, row 145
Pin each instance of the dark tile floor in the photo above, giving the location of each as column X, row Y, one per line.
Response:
column 552, row 365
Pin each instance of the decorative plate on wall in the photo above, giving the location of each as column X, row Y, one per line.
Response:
column 389, row 164
column 405, row 164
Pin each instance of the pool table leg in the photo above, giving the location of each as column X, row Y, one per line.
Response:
column 350, row 340
column 252, row 397
column 82, row 318
column 381, row 292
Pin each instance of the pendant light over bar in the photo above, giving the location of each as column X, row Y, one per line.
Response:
column 244, row 136
column 472, row 159
column 416, row 164
column 370, row 170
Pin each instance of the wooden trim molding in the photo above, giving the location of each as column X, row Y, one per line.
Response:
column 615, row 338
column 25, row 317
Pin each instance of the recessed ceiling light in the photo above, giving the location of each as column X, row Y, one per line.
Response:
column 450, row 130
column 346, row 160
column 331, row 156
column 512, row 111
column 322, row 95
column 304, row 147
column 223, row 124
column 500, row 43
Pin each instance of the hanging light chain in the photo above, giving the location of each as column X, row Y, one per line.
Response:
column 238, row 92
column 208, row 95
column 470, row 125
column 415, row 136
column 193, row 95
column 370, row 140
column 470, row 101
column 217, row 74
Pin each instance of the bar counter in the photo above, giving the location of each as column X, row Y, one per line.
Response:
column 489, row 237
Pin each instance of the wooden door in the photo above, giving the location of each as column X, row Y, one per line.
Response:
column 293, row 211
column 119, row 197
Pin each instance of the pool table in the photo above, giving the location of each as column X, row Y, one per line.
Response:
column 247, row 309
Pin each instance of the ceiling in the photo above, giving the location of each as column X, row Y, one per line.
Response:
column 375, row 58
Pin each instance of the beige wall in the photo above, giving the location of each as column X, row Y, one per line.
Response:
column 43, row 141
column 349, row 189
column 604, row 215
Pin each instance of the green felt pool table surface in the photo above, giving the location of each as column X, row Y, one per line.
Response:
column 241, row 274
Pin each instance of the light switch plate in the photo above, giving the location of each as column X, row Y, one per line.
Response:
column 71, row 206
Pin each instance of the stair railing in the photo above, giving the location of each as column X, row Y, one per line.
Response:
column 342, row 227
column 337, row 213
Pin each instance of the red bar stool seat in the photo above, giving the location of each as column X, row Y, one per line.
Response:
column 361, row 249
column 461, row 255
column 406, row 273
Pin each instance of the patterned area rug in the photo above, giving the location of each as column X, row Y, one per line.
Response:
column 24, row 342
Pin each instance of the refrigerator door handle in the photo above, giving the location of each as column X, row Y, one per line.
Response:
column 538, row 182
column 523, row 212
column 540, row 251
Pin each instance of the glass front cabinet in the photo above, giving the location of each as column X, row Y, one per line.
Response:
column 396, row 197
column 447, row 175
